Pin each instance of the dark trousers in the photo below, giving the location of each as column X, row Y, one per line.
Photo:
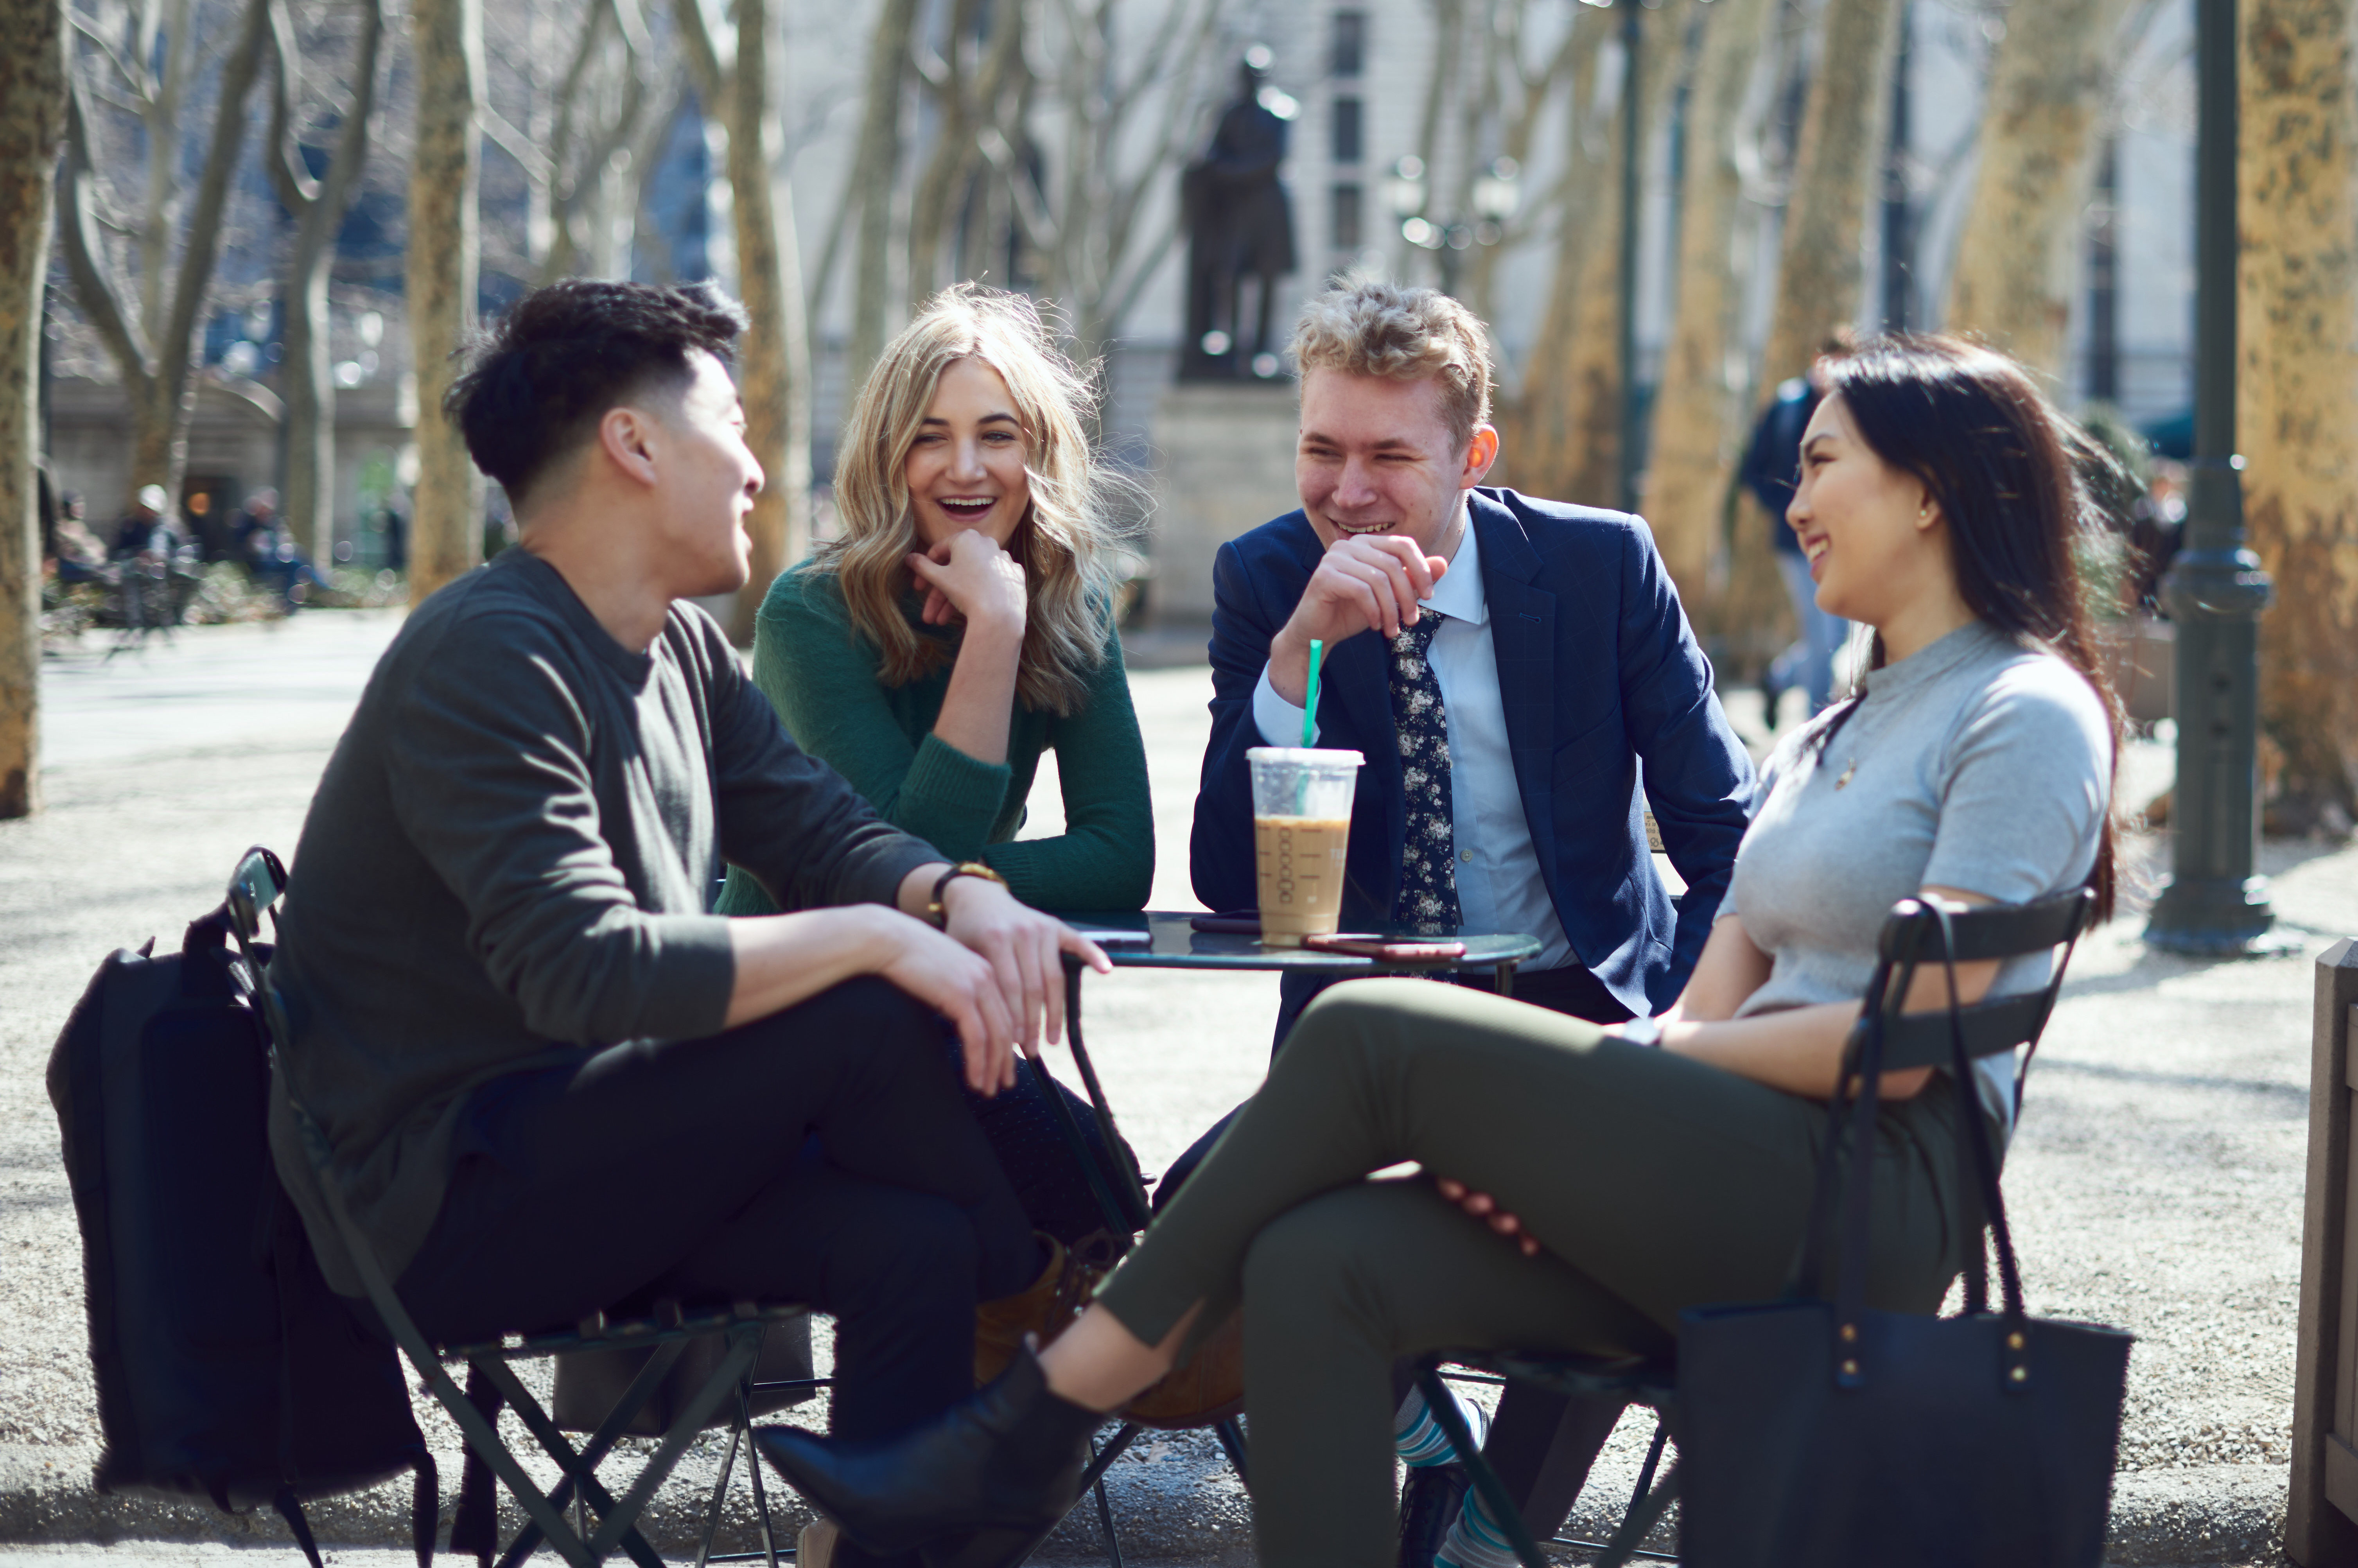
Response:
column 823, row 1155
column 1541, row 1444
column 1653, row 1183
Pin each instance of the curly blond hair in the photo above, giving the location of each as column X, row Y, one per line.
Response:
column 1070, row 535
column 1366, row 325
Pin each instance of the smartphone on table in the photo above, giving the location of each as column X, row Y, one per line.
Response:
column 1391, row 949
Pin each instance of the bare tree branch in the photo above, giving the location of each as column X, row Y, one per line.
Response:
column 513, row 142
column 94, row 290
column 280, row 155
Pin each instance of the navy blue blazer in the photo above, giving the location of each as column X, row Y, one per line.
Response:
column 1598, row 670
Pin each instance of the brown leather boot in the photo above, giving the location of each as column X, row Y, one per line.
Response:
column 1207, row 1390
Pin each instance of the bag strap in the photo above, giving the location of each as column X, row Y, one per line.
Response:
column 2014, row 1342
column 1808, row 1281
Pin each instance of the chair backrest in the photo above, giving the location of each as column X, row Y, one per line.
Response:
column 1912, row 940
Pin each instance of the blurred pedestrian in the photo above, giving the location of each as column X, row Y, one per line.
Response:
column 1772, row 465
column 397, row 541
column 77, row 555
column 268, row 551
column 142, row 532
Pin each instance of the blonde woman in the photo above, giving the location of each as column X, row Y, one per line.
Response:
column 962, row 623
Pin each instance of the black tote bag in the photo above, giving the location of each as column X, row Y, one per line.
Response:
column 1822, row 1432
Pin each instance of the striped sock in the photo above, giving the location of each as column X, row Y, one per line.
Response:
column 1474, row 1542
column 1417, row 1437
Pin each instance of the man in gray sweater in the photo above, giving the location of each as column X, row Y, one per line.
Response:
column 551, row 1081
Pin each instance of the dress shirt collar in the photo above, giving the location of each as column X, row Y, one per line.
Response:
column 1458, row 595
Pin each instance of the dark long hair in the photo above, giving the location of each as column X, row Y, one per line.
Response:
column 2009, row 474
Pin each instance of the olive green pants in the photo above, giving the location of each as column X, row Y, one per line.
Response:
column 1653, row 1183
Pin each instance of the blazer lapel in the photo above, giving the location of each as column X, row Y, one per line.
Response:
column 1522, row 636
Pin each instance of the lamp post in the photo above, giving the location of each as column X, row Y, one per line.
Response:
column 2214, row 902
column 1493, row 197
column 1633, row 123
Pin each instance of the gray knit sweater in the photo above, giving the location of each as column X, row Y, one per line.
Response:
column 510, row 863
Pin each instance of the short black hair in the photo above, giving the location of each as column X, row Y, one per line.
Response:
column 537, row 381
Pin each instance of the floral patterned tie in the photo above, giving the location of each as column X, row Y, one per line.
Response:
column 1427, row 901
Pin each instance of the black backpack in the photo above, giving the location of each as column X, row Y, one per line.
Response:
column 226, row 1368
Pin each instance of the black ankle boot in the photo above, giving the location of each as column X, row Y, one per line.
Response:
column 1009, row 1458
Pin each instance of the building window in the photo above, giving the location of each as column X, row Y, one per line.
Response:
column 1346, row 130
column 1350, row 43
column 1350, row 232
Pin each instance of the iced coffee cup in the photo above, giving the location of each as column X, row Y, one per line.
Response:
column 1301, row 825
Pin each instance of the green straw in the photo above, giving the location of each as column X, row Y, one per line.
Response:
column 1310, row 703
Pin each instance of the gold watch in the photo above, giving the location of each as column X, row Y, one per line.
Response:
column 934, row 910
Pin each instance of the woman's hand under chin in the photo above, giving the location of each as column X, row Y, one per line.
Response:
column 969, row 577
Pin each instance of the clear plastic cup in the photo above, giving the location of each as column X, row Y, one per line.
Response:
column 1301, row 826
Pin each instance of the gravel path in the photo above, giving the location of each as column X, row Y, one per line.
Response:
column 2156, row 1183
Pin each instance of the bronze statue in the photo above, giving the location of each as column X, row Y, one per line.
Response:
column 1239, row 225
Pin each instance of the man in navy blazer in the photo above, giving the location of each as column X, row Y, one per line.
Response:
column 1562, row 664
column 1565, row 663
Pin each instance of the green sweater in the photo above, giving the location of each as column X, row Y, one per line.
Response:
column 820, row 674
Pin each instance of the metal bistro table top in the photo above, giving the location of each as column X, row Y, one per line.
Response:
column 1174, row 944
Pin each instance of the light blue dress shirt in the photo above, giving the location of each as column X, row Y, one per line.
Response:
column 1499, row 887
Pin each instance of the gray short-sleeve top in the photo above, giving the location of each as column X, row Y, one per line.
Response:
column 1977, row 764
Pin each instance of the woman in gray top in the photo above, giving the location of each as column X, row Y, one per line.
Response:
column 1625, row 1174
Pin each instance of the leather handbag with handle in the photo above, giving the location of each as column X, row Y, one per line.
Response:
column 1824, row 1431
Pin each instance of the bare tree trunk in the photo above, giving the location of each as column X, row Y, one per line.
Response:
column 1578, row 372
column 156, row 368
column 1698, row 416
column 773, row 371
column 968, row 80
column 307, row 498
column 32, row 125
column 1820, row 275
column 2298, row 393
column 877, row 171
column 446, row 48
column 1821, row 284
column 2016, row 261
column 1530, row 97
column 1539, row 451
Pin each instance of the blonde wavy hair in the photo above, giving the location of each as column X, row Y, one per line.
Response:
column 1366, row 325
column 1068, row 537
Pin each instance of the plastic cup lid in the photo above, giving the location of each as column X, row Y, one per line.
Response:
column 1306, row 756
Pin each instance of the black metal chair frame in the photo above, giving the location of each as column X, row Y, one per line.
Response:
column 254, row 888
column 1910, row 939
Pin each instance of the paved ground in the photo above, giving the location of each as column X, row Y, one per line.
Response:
column 2156, row 1181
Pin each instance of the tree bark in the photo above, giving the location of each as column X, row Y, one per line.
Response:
column 32, row 125
column 157, row 367
column 877, row 168
column 1821, row 273
column 447, row 49
column 2297, row 393
column 773, row 368
column 306, row 385
column 2018, row 258
column 1539, row 451
column 1698, row 414
column 1821, row 284
column 1576, row 372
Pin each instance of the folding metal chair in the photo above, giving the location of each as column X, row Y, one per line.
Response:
column 492, row 1379
column 1911, row 938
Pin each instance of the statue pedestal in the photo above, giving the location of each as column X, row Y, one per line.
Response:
column 1224, row 465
